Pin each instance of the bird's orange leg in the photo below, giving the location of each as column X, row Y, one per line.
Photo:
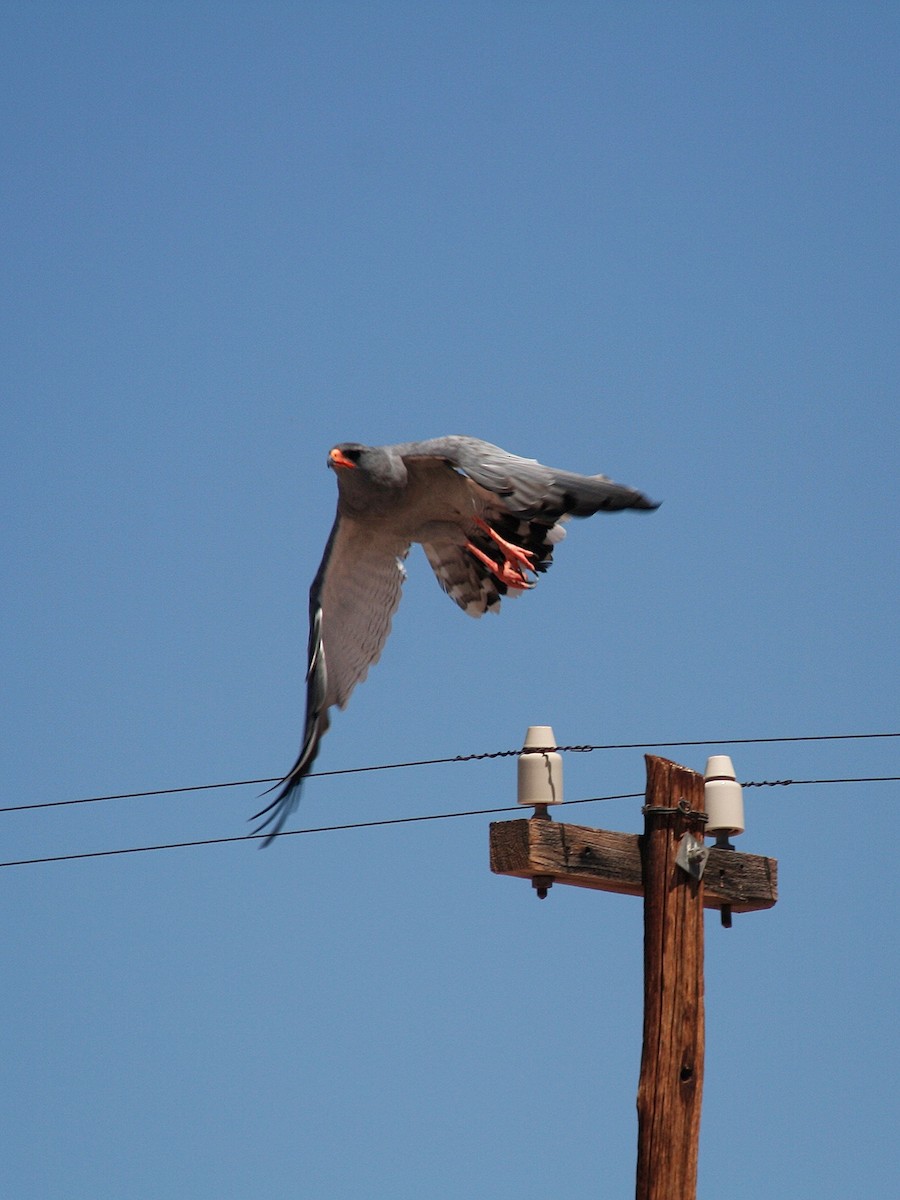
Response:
column 516, row 561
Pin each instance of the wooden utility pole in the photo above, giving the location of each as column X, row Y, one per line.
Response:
column 671, row 1083
column 671, row 1079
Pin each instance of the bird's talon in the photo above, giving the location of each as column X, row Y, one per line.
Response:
column 507, row 572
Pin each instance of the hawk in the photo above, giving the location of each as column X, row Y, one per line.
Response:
column 488, row 522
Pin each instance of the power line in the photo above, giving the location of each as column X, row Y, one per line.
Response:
column 197, row 787
column 457, row 758
column 472, row 812
column 256, row 837
column 796, row 782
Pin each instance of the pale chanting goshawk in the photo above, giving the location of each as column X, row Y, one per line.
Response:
column 486, row 520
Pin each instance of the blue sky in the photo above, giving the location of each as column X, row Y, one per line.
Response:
column 658, row 241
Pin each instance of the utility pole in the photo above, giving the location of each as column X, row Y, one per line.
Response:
column 671, row 1083
column 678, row 877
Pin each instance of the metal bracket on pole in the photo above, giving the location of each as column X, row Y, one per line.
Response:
column 692, row 856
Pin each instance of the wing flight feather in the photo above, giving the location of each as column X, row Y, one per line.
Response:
column 352, row 602
column 527, row 487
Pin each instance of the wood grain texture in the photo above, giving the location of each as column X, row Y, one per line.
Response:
column 611, row 862
column 671, row 1081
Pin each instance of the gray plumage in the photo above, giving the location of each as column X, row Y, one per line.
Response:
column 484, row 518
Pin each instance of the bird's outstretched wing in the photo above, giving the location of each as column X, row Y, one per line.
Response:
column 526, row 487
column 351, row 604
column 523, row 502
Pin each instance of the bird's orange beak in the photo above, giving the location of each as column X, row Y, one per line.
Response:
column 340, row 460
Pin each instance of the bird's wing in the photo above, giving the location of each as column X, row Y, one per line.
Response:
column 351, row 604
column 526, row 487
column 523, row 502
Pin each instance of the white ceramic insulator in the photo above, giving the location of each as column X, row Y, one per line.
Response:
column 723, row 797
column 540, row 774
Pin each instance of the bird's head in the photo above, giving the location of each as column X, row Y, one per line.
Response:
column 346, row 456
column 364, row 469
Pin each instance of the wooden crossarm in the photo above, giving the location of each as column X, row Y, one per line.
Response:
column 611, row 862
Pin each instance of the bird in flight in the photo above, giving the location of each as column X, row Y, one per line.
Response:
column 488, row 522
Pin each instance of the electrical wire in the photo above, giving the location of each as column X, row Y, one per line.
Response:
column 796, row 782
column 472, row 812
column 457, row 758
column 255, row 837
